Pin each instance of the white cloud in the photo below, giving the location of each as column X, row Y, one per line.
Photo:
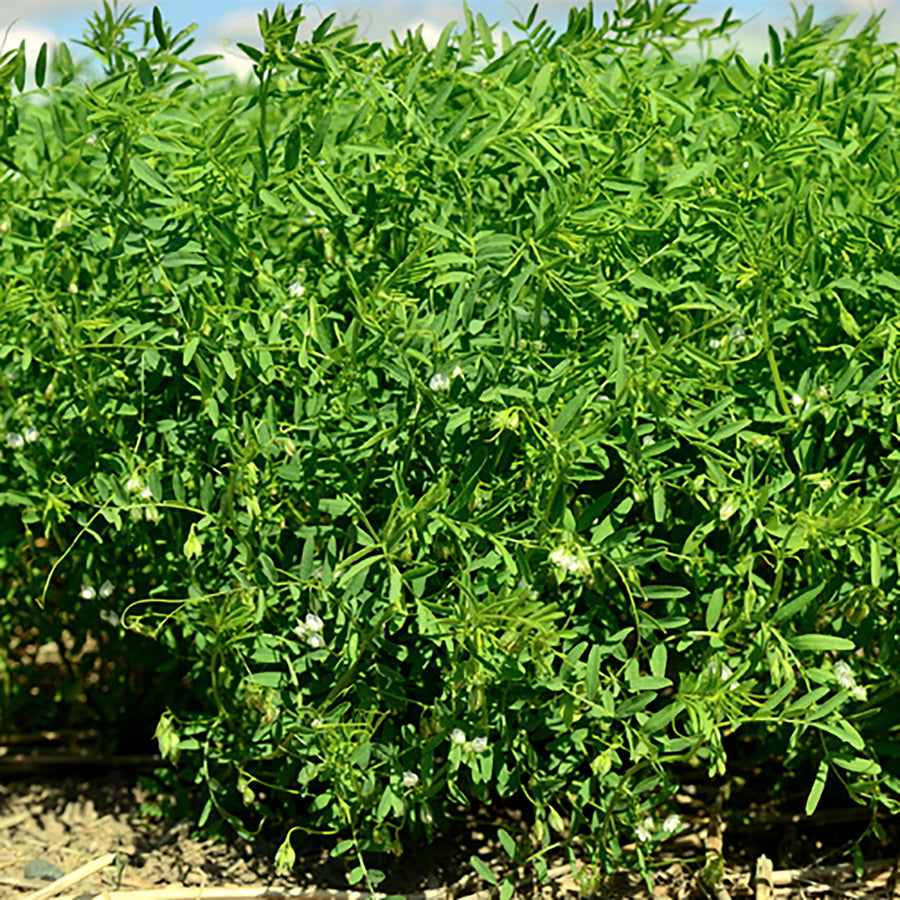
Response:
column 33, row 35
column 373, row 25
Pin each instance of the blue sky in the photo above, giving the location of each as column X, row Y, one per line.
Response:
column 221, row 22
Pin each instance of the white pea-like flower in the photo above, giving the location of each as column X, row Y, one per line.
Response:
column 145, row 493
column 310, row 630
column 458, row 736
column 110, row 616
column 410, row 779
column 31, row 434
column 847, row 680
column 737, row 334
column 844, row 675
column 439, row 382
column 644, row 831
column 151, row 514
column 87, row 592
column 296, row 289
column 727, row 510
column 457, row 372
column 133, row 485
column 796, row 400
column 714, row 343
column 106, row 589
column 479, row 744
column 671, row 824
column 822, row 392
column 569, row 562
column 563, row 559
column 15, row 441
column 724, row 672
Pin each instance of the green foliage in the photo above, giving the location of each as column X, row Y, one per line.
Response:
column 507, row 418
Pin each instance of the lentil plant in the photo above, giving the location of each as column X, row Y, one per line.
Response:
column 508, row 418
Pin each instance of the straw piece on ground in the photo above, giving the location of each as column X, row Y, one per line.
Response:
column 82, row 872
column 763, row 879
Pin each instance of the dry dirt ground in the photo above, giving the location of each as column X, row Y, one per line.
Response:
column 59, row 818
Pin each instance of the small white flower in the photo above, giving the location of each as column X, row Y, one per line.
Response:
column 439, row 382
column 106, row 589
column 410, row 779
column 31, row 434
column 727, row 510
column 796, row 399
column 457, row 372
column 458, row 736
column 561, row 558
column 316, row 723
column 133, row 485
column 479, row 744
column 647, row 441
column 644, row 831
column 844, row 675
column 714, row 343
column 858, row 692
column 92, row 138
column 671, row 824
column 723, row 671
column 15, row 441
column 635, row 333
column 296, row 289
column 745, row 164
column 425, row 815
column 146, row 493
column 737, row 334
column 87, row 592
column 569, row 562
column 109, row 615
column 316, row 641
column 151, row 514
column 314, row 623
column 822, row 391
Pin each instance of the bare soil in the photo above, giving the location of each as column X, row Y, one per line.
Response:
column 66, row 813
